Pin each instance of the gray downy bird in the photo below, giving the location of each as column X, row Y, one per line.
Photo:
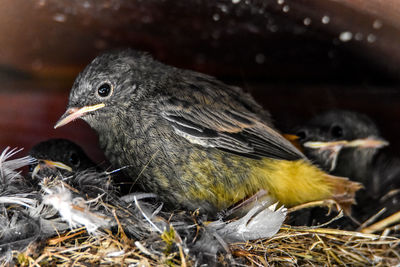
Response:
column 191, row 139
column 350, row 144
column 343, row 142
column 58, row 156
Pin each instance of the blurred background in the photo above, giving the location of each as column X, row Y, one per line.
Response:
column 296, row 57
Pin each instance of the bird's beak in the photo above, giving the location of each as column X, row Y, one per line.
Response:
column 369, row 142
column 324, row 145
column 74, row 113
column 50, row 164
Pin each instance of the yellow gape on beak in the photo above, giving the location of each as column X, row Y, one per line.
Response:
column 50, row 164
column 74, row 113
column 334, row 147
column 369, row 142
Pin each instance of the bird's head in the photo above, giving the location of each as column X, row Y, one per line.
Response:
column 340, row 131
column 342, row 125
column 59, row 155
column 112, row 81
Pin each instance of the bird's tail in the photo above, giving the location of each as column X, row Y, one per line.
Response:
column 344, row 191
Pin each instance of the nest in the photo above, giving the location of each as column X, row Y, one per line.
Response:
column 119, row 231
column 321, row 247
column 290, row 246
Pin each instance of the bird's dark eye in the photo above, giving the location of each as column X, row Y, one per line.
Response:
column 74, row 159
column 337, row 131
column 104, row 90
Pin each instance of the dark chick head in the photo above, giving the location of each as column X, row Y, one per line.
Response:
column 338, row 125
column 57, row 155
column 341, row 141
column 112, row 81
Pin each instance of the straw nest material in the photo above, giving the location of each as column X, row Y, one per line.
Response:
column 291, row 246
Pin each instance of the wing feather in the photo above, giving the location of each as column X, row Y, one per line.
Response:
column 224, row 117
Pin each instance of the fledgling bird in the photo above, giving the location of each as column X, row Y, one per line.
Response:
column 346, row 143
column 193, row 140
column 350, row 144
column 59, row 156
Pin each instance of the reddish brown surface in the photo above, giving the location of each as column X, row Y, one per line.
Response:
column 28, row 113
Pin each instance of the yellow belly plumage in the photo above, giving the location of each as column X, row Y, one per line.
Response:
column 291, row 182
column 223, row 182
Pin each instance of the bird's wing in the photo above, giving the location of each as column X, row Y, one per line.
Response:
column 226, row 124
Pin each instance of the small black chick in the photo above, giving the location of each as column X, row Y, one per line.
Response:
column 348, row 143
column 57, row 156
